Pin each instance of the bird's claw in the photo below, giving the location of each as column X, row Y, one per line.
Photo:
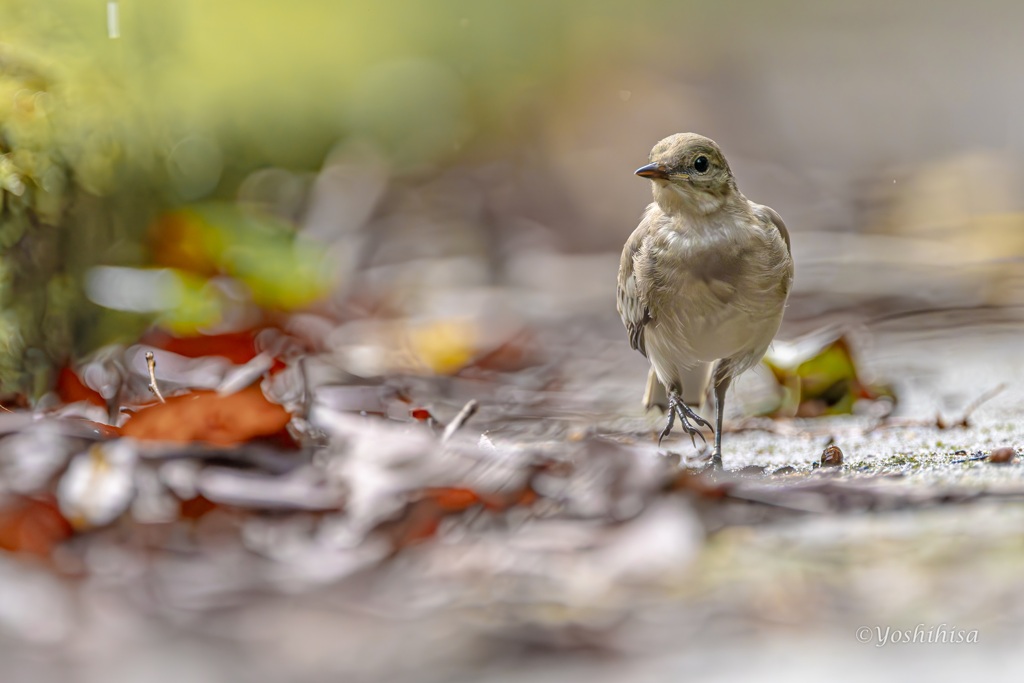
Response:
column 676, row 407
column 688, row 412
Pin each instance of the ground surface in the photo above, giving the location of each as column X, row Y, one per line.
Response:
column 620, row 564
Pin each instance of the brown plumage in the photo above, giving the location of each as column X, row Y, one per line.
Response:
column 703, row 280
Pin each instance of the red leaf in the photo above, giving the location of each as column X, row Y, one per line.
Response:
column 197, row 507
column 421, row 414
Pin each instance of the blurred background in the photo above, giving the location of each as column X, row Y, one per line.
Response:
column 486, row 139
column 413, row 187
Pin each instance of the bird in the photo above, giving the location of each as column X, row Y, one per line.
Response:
column 703, row 280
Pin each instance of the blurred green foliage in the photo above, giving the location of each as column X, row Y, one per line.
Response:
column 279, row 83
column 112, row 113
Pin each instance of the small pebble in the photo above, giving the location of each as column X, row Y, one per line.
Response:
column 1002, row 455
column 785, row 470
column 831, row 456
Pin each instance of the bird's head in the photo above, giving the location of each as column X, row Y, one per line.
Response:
column 689, row 174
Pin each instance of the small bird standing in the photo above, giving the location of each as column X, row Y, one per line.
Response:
column 703, row 280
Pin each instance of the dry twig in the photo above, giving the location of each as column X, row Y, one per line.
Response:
column 467, row 412
column 151, row 364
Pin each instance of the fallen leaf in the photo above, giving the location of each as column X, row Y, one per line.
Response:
column 195, row 508
column 205, row 416
column 418, row 523
column 421, row 414
column 71, row 389
column 32, row 525
column 452, row 499
column 422, row 517
column 237, row 347
column 819, row 376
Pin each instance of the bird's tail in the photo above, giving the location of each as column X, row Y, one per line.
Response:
column 695, row 388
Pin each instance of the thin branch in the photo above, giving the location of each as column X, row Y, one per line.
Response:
column 151, row 364
column 455, row 425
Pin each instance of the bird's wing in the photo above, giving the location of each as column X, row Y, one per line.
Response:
column 770, row 216
column 632, row 301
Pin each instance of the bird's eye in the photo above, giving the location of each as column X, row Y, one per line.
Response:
column 700, row 164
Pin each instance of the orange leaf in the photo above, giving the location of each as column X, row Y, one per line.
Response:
column 420, row 523
column 209, row 417
column 238, row 347
column 451, row 499
column 71, row 389
column 29, row 525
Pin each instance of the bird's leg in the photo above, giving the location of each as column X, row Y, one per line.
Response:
column 677, row 408
column 722, row 382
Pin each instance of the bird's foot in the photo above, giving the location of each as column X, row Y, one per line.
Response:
column 716, row 459
column 676, row 408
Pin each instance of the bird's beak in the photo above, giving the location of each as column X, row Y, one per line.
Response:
column 652, row 171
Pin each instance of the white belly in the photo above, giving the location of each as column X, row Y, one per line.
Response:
column 686, row 338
